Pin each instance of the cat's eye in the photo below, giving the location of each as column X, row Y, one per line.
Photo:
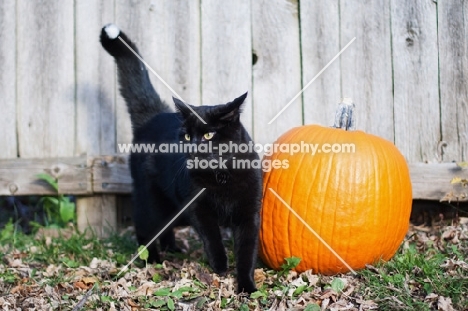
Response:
column 187, row 137
column 208, row 135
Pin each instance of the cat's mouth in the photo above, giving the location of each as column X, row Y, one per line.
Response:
column 210, row 169
column 222, row 177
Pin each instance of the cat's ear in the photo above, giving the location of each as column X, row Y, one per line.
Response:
column 232, row 110
column 181, row 107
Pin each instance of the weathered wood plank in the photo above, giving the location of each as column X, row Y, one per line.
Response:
column 95, row 81
column 111, row 174
column 8, row 80
column 227, row 54
column 432, row 181
column 45, row 78
column 95, row 111
column 453, row 64
column 366, row 65
column 320, row 42
column 277, row 72
column 416, row 85
column 98, row 213
column 19, row 176
column 168, row 37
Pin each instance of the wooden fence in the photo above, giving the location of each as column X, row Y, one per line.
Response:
column 406, row 72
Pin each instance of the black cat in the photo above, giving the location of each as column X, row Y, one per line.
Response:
column 163, row 183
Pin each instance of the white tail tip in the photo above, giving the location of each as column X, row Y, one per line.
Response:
column 112, row 31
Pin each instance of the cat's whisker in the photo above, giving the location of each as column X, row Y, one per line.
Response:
column 178, row 171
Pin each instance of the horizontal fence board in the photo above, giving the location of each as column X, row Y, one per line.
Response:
column 111, row 175
column 432, row 181
column 19, row 176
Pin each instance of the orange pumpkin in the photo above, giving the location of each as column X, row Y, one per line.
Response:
column 358, row 202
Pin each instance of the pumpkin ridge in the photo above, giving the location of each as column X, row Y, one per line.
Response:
column 391, row 193
column 295, row 181
column 305, row 231
column 295, row 137
column 315, row 180
column 279, row 205
column 372, row 188
column 269, row 234
column 330, row 258
column 378, row 175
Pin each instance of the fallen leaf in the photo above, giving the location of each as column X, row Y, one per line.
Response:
column 132, row 303
column 445, row 304
column 259, row 277
column 16, row 289
column 81, row 285
column 89, row 280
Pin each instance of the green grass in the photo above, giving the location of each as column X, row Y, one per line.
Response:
column 404, row 282
column 74, row 251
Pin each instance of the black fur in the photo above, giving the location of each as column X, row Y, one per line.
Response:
column 163, row 183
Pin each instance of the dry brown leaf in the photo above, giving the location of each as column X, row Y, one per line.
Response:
column 367, row 304
column 15, row 263
column 89, row 280
column 445, row 304
column 259, row 277
column 215, row 282
column 341, row 305
column 132, row 303
column 81, row 285
column 328, row 293
column 324, row 304
column 431, row 296
column 312, row 278
column 16, row 289
column 451, row 264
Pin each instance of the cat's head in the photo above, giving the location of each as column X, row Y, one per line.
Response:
column 216, row 124
column 212, row 126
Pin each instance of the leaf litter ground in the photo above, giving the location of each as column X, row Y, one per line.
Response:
column 71, row 272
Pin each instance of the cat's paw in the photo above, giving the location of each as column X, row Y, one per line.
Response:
column 111, row 31
column 246, row 286
column 220, row 267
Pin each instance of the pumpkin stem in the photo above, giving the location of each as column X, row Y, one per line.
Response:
column 344, row 117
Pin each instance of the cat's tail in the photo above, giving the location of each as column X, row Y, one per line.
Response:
column 142, row 100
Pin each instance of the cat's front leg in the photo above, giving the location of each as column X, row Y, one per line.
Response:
column 245, row 247
column 206, row 224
